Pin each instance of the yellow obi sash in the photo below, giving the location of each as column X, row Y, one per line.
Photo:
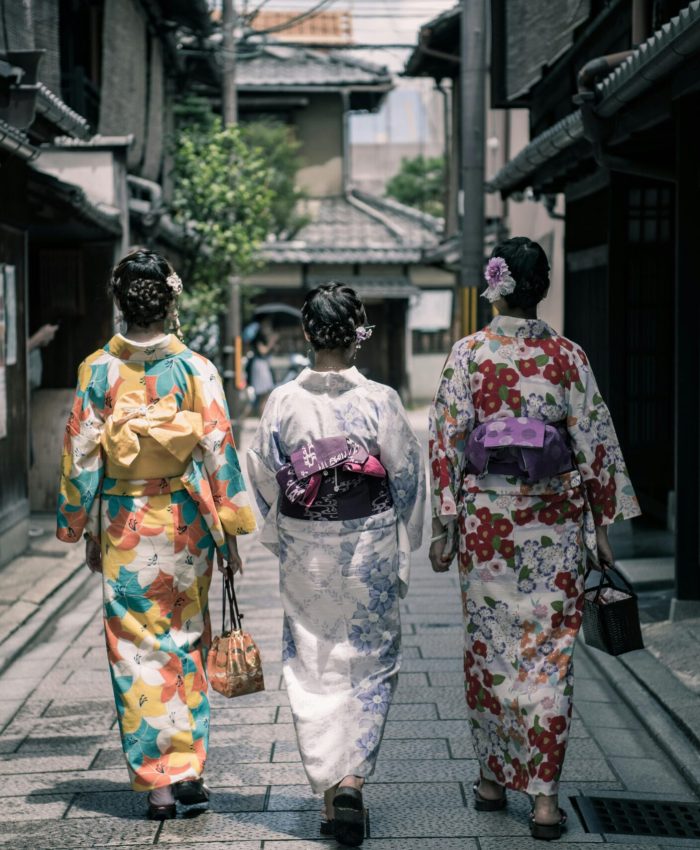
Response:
column 149, row 441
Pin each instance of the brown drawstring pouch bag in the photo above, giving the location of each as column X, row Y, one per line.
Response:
column 234, row 666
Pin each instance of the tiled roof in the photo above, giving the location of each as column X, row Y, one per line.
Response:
column 279, row 66
column 445, row 27
column 104, row 217
column 658, row 56
column 59, row 113
column 16, row 142
column 359, row 228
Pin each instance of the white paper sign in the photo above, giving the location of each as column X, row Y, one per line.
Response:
column 10, row 316
column 3, row 382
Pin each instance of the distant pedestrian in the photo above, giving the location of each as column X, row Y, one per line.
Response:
column 527, row 475
column 339, row 475
column 151, row 479
column 260, row 376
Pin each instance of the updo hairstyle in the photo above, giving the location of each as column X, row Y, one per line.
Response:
column 529, row 267
column 330, row 316
column 139, row 287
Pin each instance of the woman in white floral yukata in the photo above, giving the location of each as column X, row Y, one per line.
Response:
column 527, row 474
column 338, row 473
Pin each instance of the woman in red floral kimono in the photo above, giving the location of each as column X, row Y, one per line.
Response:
column 527, row 475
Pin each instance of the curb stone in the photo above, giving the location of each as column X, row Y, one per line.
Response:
column 656, row 717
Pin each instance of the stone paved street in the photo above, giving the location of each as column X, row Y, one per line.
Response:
column 65, row 782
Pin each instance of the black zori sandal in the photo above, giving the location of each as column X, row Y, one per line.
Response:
column 349, row 823
column 327, row 827
column 192, row 793
column 547, row 831
column 482, row 804
column 156, row 812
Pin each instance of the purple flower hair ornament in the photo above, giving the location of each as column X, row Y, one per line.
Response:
column 363, row 333
column 499, row 280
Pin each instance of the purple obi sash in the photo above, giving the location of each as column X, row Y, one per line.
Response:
column 331, row 467
column 521, row 447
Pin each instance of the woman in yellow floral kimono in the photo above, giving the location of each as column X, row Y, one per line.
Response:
column 150, row 478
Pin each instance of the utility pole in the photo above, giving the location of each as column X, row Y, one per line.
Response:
column 472, row 141
column 233, row 347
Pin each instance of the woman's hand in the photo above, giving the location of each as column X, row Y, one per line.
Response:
column 444, row 548
column 606, row 558
column 233, row 564
column 93, row 555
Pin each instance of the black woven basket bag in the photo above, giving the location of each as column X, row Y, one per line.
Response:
column 611, row 614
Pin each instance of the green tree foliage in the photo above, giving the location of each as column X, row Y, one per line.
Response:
column 420, row 183
column 232, row 188
column 280, row 149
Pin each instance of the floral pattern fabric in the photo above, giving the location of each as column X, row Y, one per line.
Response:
column 523, row 548
column 139, row 410
column 340, row 581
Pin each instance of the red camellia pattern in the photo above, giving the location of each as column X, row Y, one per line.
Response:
column 521, row 553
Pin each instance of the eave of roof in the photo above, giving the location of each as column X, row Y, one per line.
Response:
column 661, row 54
column 106, row 219
column 302, row 68
column 359, row 228
column 16, row 142
column 60, row 114
column 419, row 63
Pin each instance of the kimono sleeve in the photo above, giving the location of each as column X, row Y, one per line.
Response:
column 219, row 456
column 265, row 458
column 401, row 456
column 598, row 455
column 82, row 465
column 451, row 421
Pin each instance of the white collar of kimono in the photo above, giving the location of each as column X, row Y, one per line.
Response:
column 142, row 352
column 525, row 328
column 330, row 382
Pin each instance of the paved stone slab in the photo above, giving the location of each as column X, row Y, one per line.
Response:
column 243, row 716
column 587, row 770
column 461, row 746
column 430, row 770
column 127, row 804
column 425, row 795
column 414, row 748
column 80, row 708
column 606, row 715
column 103, row 832
column 413, row 711
column 643, row 774
column 417, row 729
column 383, row 844
column 623, row 742
column 38, row 807
column 65, row 782
column 250, row 733
column 64, row 745
column 56, row 727
column 244, row 826
column 453, row 666
column 11, row 765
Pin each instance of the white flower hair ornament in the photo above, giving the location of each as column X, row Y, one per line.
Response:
column 499, row 280
column 174, row 282
column 362, row 334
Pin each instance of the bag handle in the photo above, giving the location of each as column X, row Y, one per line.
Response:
column 230, row 602
column 606, row 580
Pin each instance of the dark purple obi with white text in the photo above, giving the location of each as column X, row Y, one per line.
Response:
column 333, row 478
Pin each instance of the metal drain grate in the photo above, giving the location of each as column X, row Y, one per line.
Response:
column 615, row 815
